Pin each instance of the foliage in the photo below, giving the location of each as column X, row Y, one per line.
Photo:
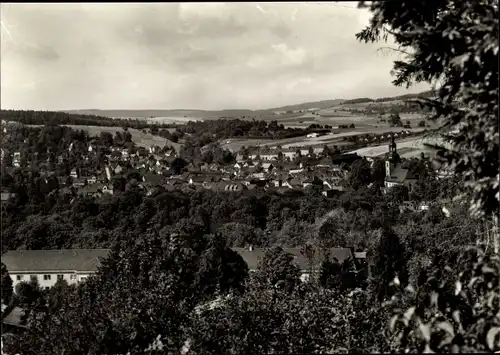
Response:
column 51, row 118
column 7, row 288
column 145, row 288
column 389, row 262
column 308, row 320
column 277, row 269
column 455, row 44
column 395, row 120
column 455, row 310
column 360, row 174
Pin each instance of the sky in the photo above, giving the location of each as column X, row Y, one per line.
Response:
column 187, row 55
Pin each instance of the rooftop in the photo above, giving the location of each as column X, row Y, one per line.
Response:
column 253, row 257
column 24, row 261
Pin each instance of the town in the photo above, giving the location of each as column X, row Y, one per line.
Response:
column 250, row 178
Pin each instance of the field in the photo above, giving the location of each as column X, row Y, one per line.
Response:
column 330, row 140
column 165, row 120
column 138, row 137
column 407, row 147
column 345, row 118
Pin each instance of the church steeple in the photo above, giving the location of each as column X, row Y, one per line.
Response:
column 393, row 152
column 392, row 146
column 392, row 158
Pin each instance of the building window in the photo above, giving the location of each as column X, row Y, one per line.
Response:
column 83, row 278
column 60, row 277
column 33, row 277
column 19, row 277
column 46, row 277
column 72, row 277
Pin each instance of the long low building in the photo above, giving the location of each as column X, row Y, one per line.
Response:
column 253, row 257
column 48, row 266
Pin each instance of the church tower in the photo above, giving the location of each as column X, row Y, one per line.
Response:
column 392, row 159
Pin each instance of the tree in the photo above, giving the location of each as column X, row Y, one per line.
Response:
column 330, row 274
column 395, row 120
column 221, row 268
column 360, row 174
column 178, row 165
column 7, row 288
column 390, row 262
column 378, row 172
column 277, row 269
column 453, row 44
column 397, row 194
column 147, row 287
column 28, row 294
column 455, row 310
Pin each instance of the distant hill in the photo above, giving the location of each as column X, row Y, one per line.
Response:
column 204, row 114
column 236, row 113
column 308, row 105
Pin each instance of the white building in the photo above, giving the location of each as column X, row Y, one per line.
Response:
column 48, row 266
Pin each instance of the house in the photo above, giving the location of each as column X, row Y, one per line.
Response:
column 118, row 169
column 16, row 157
column 94, row 190
column 92, row 180
column 12, row 320
column 269, row 156
column 196, row 179
column 48, row 266
column 229, row 186
column 308, row 264
column 153, row 179
column 267, row 167
column 239, row 158
column 280, row 179
column 256, row 183
column 73, row 173
column 293, row 183
column 334, row 191
column 289, row 154
column 312, row 181
column 79, row 182
column 6, row 196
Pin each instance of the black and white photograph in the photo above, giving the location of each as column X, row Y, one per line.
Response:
column 208, row 178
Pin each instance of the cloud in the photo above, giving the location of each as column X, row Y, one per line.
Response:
column 168, row 55
column 39, row 52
